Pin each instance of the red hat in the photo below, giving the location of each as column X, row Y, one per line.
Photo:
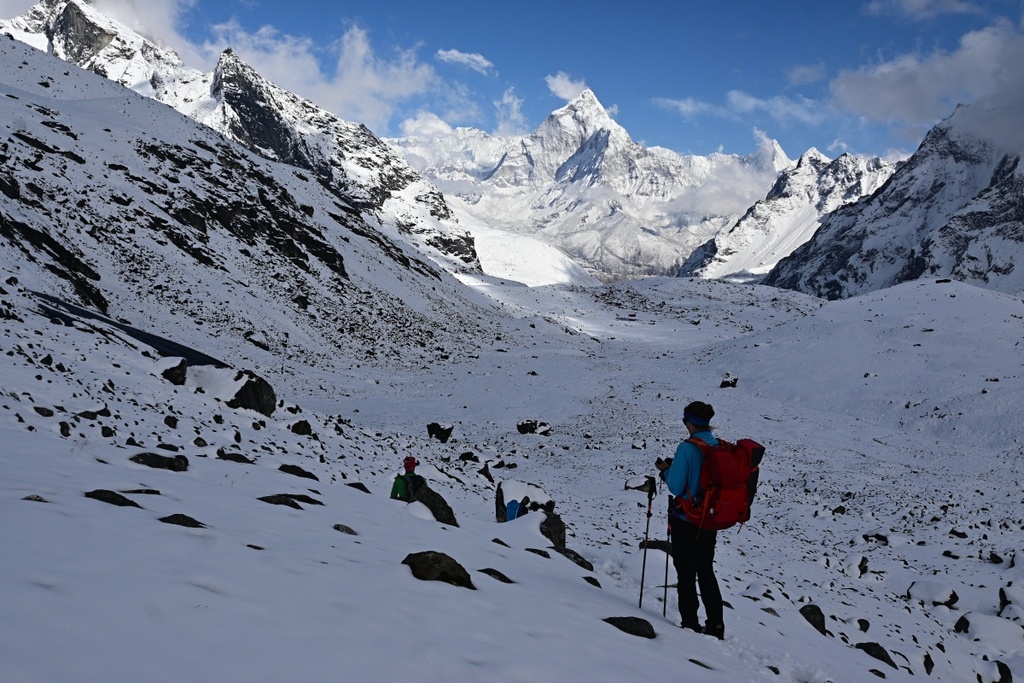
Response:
column 409, row 463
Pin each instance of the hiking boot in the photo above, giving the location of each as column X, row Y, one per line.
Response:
column 716, row 630
column 693, row 626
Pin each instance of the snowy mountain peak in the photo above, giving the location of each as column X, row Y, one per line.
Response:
column 769, row 156
column 580, row 120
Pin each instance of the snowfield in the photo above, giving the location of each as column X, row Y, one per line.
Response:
column 901, row 524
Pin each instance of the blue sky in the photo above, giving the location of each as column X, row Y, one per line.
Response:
column 865, row 76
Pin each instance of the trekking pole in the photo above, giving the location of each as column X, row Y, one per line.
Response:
column 649, row 485
column 668, row 553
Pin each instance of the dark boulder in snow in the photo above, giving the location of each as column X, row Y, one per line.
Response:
column 345, row 529
column 576, row 558
column 176, row 375
column 553, row 529
column 291, row 500
column 233, row 457
column 183, row 520
column 297, row 471
column 177, row 463
column 815, row 617
column 281, row 499
column 440, row 432
column 533, row 427
column 302, row 428
column 437, row 505
column 878, row 652
column 256, row 394
column 495, row 574
column 431, row 565
column 634, row 626
column 112, row 497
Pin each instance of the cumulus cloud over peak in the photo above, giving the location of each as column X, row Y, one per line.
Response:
column 425, row 125
column 920, row 89
column 562, row 85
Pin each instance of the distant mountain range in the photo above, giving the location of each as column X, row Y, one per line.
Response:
column 955, row 209
column 580, row 182
column 589, row 200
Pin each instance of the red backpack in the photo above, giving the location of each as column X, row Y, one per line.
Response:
column 728, row 481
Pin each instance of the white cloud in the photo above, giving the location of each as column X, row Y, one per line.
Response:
column 688, row 106
column 511, row 120
column 782, row 109
column 921, row 9
column 474, row 61
column 425, row 125
column 805, row 75
column 562, row 85
column 740, row 104
column 917, row 90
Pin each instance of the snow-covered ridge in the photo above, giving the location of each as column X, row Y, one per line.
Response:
column 122, row 204
column 954, row 209
column 788, row 216
column 237, row 102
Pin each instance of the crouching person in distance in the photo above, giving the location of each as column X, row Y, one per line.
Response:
column 408, row 483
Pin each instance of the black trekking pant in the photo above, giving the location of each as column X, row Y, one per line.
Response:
column 693, row 554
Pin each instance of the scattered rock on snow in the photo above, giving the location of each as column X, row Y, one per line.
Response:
column 878, row 652
column 440, row 432
column 178, row 463
column 176, row 375
column 815, row 617
column 297, row 471
column 291, row 500
column 112, row 497
column 553, row 529
column 233, row 457
column 634, row 626
column 437, row 505
column 183, row 520
column 345, row 529
column 302, row 428
column 431, row 565
column 533, row 427
column 495, row 574
column 578, row 559
column 256, row 394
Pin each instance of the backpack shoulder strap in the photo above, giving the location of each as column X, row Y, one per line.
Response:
column 699, row 443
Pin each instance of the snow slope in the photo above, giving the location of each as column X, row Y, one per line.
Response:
column 853, row 516
column 892, row 421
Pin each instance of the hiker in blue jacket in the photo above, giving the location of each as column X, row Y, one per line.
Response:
column 693, row 549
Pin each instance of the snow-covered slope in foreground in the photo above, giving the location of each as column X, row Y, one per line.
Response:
column 901, row 524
